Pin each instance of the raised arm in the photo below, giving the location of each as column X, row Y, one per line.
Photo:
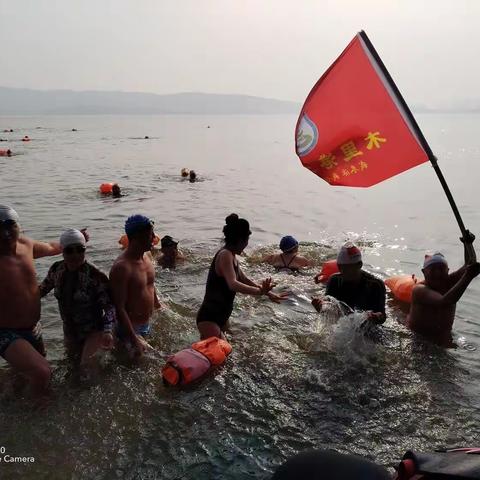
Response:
column 46, row 249
column 469, row 256
column 426, row 296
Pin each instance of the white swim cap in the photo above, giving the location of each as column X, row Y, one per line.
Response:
column 437, row 257
column 349, row 254
column 72, row 237
column 8, row 213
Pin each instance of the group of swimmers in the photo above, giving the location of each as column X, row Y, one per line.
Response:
column 100, row 312
column 190, row 174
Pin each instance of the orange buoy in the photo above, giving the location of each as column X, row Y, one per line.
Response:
column 123, row 241
column 193, row 363
column 106, row 188
column 328, row 269
column 401, row 286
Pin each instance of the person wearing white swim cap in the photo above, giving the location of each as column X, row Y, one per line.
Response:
column 21, row 343
column 84, row 302
column 354, row 287
column 434, row 301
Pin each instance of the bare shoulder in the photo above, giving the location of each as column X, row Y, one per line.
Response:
column 120, row 266
column 419, row 291
column 26, row 242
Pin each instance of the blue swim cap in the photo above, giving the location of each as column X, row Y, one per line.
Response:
column 136, row 223
column 288, row 243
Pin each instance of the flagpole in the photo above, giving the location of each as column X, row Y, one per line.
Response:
column 421, row 138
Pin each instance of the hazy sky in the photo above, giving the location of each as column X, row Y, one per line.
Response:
column 271, row 48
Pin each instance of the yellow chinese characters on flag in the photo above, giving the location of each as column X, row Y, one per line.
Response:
column 354, row 128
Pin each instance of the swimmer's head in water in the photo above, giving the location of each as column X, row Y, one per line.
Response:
column 288, row 244
column 192, row 176
column 168, row 242
column 237, row 232
column 9, row 225
column 349, row 261
column 435, row 270
column 116, row 192
column 184, row 172
column 139, row 228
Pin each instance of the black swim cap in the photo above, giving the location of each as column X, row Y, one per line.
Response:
column 236, row 229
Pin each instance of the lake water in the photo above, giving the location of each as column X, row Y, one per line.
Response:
column 295, row 379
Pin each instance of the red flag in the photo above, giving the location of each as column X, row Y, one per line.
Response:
column 355, row 129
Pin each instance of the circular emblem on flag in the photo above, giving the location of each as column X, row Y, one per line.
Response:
column 307, row 136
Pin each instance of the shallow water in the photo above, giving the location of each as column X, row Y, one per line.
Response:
column 295, row 379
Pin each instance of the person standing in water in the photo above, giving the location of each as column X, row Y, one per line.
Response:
column 356, row 288
column 82, row 291
column 432, row 311
column 289, row 260
column 21, row 343
column 225, row 279
column 132, row 285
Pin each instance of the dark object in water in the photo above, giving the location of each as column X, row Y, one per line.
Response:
column 329, row 465
column 454, row 464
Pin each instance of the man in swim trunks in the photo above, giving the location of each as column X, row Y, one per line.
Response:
column 169, row 254
column 432, row 311
column 356, row 288
column 132, row 285
column 21, row 343
column 288, row 260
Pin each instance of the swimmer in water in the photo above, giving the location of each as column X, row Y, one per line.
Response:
column 184, row 172
column 116, row 192
column 192, row 176
column 434, row 302
column 21, row 343
column 169, row 255
column 289, row 260
column 353, row 286
column 132, row 285
column 82, row 291
column 225, row 279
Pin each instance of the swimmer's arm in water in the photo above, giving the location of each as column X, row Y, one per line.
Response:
column 156, row 301
column 225, row 269
column 330, row 291
column 424, row 295
column 46, row 249
column 270, row 259
column 377, row 313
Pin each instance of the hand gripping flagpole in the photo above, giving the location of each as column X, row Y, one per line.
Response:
column 433, row 160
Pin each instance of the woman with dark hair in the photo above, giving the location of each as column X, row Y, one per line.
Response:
column 225, row 279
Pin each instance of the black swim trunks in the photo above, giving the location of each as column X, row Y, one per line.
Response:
column 31, row 335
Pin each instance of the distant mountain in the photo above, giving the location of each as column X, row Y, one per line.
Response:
column 16, row 101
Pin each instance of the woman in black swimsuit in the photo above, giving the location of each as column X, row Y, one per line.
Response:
column 289, row 260
column 225, row 279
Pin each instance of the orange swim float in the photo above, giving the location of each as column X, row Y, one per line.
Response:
column 328, row 269
column 106, row 188
column 402, row 286
column 123, row 241
column 193, row 363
